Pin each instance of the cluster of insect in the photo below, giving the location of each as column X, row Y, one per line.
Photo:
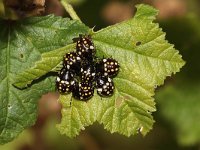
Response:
column 82, row 72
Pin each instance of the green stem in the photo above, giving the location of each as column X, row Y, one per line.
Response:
column 70, row 10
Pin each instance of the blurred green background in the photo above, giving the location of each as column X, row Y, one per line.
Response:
column 177, row 118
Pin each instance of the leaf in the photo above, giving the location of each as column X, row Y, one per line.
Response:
column 21, row 45
column 18, row 108
column 128, row 111
column 189, row 32
column 154, row 58
column 77, row 115
column 48, row 61
column 145, row 58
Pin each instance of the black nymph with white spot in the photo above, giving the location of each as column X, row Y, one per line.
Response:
column 105, row 86
column 83, row 91
column 88, row 72
column 107, row 67
column 82, row 72
column 72, row 62
column 65, row 81
column 85, row 47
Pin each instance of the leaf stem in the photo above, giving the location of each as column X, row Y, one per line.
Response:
column 68, row 7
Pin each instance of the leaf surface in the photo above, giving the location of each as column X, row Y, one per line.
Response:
column 21, row 44
column 145, row 59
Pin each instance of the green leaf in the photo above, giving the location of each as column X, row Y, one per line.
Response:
column 21, row 45
column 50, row 60
column 154, row 58
column 145, row 58
column 129, row 110
column 18, row 108
column 77, row 115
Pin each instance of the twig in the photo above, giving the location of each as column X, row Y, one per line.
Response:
column 70, row 10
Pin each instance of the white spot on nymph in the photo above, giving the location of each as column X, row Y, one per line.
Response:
column 116, row 63
column 107, row 84
column 105, row 74
column 104, row 60
column 81, row 69
column 68, row 66
column 100, row 89
column 91, row 47
column 93, row 74
column 105, row 65
column 109, row 80
column 66, row 82
column 78, row 58
column 104, row 86
column 62, row 81
column 58, row 79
